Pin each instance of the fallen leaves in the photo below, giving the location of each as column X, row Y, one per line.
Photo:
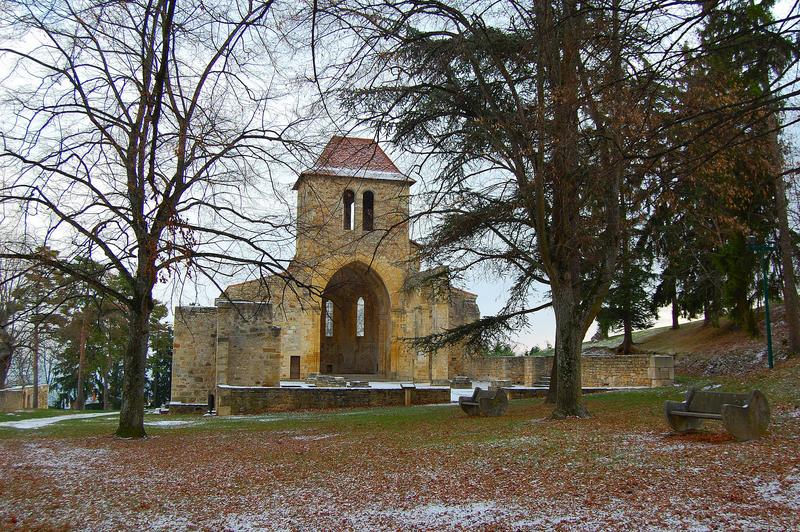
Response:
column 408, row 468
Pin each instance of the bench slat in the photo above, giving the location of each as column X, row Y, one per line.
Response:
column 711, row 402
column 697, row 414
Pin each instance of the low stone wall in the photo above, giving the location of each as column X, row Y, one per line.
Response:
column 21, row 398
column 596, row 370
column 518, row 370
column 255, row 400
column 615, row 371
column 188, row 408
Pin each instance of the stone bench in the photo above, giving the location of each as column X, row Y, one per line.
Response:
column 484, row 403
column 744, row 415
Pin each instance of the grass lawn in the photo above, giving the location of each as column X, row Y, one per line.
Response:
column 420, row 467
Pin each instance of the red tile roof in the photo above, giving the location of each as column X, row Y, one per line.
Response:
column 355, row 158
column 355, row 153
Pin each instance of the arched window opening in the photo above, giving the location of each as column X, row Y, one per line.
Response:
column 360, row 317
column 368, row 210
column 329, row 318
column 349, row 200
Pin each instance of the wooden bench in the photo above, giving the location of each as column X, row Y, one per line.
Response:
column 483, row 403
column 744, row 415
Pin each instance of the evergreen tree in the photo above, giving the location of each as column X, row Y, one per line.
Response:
column 722, row 191
column 159, row 364
column 500, row 349
column 39, row 298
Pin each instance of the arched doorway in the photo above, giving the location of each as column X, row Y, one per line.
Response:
column 355, row 324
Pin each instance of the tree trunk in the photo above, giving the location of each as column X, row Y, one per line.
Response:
column 35, row 364
column 5, row 362
column 625, row 263
column 131, row 416
column 675, row 308
column 627, row 337
column 711, row 314
column 80, row 399
column 569, row 337
column 791, row 305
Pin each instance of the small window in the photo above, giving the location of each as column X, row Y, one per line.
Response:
column 349, row 200
column 329, row 318
column 368, row 210
column 360, row 317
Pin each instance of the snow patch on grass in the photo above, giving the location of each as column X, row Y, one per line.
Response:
column 43, row 422
column 785, row 492
column 167, row 423
column 477, row 514
column 57, row 461
column 312, row 437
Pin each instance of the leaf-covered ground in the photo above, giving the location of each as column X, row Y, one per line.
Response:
column 420, row 468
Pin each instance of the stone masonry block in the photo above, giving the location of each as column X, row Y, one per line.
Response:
column 657, row 383
column 661, row 373
column 662, row 361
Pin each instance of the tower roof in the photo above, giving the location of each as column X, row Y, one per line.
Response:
column 357, row 158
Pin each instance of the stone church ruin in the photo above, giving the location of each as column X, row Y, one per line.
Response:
column 371, row 299
column 353, row 244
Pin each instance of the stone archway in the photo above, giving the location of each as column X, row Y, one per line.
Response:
column 351, row 341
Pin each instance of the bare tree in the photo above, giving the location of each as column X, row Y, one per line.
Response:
column 11, row 274
column 537, row 116
column 139, row 130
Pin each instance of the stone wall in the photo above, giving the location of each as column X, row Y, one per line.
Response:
column 463, row 309
column 518, row 370
column 615, row 371
column 596, row 371
column 248, row 344
column 241, row 400
column 193, row 354
column 320, row 208
column 21, row 398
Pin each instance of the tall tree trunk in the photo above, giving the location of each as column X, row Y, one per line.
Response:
column 131, row 416
column 569, row 337
column 625, row 264
column 35, row 364
column 674, row 305
column 791, row 305
column 80, row 398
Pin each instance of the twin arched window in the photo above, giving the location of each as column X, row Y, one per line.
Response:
column 360, row 308
column 368, row 210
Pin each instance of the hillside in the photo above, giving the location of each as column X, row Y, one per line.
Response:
column 702, row 350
